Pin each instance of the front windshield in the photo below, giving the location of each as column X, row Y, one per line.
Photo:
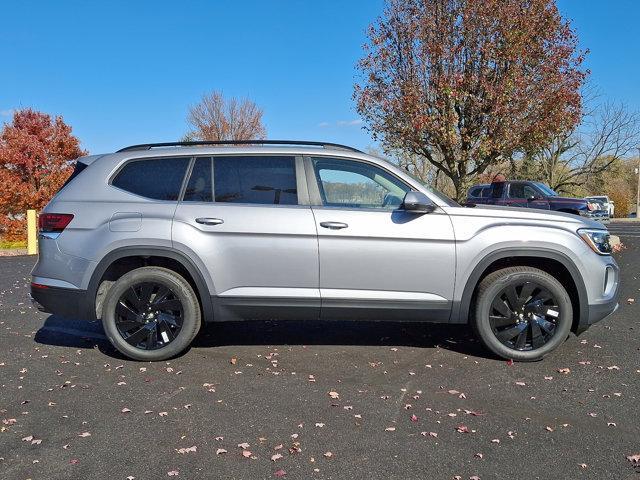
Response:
column 546, row 190
column 441, row 196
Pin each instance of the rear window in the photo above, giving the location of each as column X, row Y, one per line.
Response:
column 476, row 192
column 269, row 180
column 155, row 178
column 77, row 169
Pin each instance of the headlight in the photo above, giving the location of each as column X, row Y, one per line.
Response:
column 598, row 240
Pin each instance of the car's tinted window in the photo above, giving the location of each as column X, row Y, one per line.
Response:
column 255, row 179
column 347, row 183
column 200, row 187
column 496, row 190
column 522, row 190
column 156, row 178
column 477, row 192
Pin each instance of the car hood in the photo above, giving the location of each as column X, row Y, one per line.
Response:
column 518, row 214
column 567, row 200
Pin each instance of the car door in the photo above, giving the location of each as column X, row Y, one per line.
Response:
column 377, row 261
column 521, row 194
column 248, row 220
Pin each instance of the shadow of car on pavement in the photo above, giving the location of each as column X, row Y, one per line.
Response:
column 90, row 334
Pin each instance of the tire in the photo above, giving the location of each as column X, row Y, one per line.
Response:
column 522, row 299
column 172, row 311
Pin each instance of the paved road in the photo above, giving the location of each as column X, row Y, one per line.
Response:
column 625, row 230
column 411, row 401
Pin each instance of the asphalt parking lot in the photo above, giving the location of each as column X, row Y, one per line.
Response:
column 317, row 400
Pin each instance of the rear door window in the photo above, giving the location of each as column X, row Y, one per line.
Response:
column 200, row 186
column 266, row 180
column 155, row 178
column 496, row 190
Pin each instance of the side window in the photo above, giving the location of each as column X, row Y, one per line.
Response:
column 200, row 186
column 353, row 184
column 258, row 179
column 496, row 190
column 522, row 190
column 155, row 178
column 516, row 190
column 474, row 192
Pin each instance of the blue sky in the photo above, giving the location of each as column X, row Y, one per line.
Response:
column 124, row 72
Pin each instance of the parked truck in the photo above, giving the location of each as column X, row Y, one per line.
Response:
column 527, row 194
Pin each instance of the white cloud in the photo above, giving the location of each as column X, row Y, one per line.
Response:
column 341, row 123
column 348, row 123
column 6, row 113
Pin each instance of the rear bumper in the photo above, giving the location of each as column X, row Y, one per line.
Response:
column 66, row 302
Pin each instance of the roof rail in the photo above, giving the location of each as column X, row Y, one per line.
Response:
column 149, row 146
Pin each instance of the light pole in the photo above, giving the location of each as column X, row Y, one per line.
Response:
column 638, row 189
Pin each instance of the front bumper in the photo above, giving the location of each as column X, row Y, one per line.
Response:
column 602, row 310
column 65, row 302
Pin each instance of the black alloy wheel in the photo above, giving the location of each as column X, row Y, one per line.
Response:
column 149, row 315
column 524, row 315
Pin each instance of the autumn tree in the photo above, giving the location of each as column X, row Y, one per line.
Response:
column 466, row 83
column 608, row 133
column 36, row 158
column 218, row 118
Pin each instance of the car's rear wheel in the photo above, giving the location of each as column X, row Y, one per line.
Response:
column 151, row 314
column 522, row 313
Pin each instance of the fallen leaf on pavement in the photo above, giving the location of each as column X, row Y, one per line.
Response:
column 187, row 449
column 634, row 458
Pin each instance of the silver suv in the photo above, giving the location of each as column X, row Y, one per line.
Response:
column 156, row 239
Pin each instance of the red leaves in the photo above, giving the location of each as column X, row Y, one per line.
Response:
column 34, row 154
column 445, row 88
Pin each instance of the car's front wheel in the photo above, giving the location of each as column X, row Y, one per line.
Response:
column 522, row 313
column 151, row 314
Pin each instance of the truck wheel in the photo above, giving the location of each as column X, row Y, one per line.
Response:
column 522, row 313
column 151, row 314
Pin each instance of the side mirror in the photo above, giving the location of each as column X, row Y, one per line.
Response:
column 417, row 202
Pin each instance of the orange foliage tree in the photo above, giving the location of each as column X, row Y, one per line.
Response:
column 465, row 84
column 36, row 158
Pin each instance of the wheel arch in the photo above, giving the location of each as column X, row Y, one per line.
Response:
column 548, row 260
column 155, row 256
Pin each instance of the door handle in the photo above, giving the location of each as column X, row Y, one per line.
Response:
column 333, row 225
column 209, row 221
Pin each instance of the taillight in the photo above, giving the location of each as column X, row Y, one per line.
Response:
column 53, row 222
